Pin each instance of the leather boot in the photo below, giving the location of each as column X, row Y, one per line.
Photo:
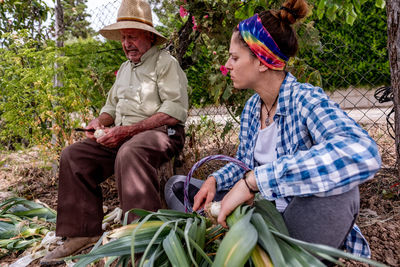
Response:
column 71, row 246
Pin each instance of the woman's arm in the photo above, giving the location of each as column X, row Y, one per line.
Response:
column 343, row 156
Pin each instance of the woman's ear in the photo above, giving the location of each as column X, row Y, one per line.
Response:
column 262, row 67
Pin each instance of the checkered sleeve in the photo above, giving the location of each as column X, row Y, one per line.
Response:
column 228, row 175
column 342, row 156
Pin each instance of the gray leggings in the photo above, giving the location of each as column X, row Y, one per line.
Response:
column 321, row 220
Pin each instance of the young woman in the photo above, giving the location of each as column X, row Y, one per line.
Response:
column 306, row 154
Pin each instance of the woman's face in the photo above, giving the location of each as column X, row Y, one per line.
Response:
column 242, row 65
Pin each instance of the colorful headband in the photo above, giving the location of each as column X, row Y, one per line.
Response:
column 261, row 43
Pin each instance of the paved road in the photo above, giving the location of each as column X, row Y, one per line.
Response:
column 362, row 116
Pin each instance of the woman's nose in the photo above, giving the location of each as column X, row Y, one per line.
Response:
column 228, row 65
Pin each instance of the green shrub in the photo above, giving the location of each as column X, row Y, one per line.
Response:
column 352, row 55
column 32, row 109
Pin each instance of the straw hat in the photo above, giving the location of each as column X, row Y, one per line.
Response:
column 132, row 14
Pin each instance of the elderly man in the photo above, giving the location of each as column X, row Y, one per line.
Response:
column 143, row 120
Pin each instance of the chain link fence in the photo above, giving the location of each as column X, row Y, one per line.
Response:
column 212, row 130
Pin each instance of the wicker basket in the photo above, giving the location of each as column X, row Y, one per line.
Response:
column 188, row 208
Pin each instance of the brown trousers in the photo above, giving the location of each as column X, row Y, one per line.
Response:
column 84, row 165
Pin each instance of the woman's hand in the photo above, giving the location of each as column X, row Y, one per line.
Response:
column 206, row 193
column 238, row 195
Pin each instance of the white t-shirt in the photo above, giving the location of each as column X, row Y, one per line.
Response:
column 264, row 152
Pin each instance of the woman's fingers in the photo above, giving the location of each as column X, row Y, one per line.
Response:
column 198, row 200
column 238, row 195
column 206, row 193
column 210, row 197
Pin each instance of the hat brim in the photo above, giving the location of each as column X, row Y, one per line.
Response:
column 112, row 31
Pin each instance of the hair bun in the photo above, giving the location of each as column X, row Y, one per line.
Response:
column 292, row 10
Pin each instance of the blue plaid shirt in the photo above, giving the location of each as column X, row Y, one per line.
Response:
column 321, row 151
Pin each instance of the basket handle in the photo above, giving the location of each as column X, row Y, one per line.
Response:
column 197, row 165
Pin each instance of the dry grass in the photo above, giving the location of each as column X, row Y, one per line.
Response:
column 30, row 174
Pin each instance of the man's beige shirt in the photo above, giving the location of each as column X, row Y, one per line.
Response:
column 156, row 84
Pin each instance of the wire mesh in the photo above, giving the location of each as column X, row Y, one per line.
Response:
column 212, row 130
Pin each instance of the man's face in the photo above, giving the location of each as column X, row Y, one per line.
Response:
column 135, row 43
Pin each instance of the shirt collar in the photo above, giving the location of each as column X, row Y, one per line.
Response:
column 145, row 56
column 284, row 94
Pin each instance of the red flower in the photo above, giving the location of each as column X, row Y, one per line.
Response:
column 224, row 70
column 115, row 73
column 183, row 12
column 194, row 23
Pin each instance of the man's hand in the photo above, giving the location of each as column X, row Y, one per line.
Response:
column 104, row 120
column 238, row 195
column 116, row 136
column 206, row 193
column 94, row 124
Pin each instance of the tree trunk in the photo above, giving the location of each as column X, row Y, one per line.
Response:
column 59, row 32
column 59, row 27
column 393, row 22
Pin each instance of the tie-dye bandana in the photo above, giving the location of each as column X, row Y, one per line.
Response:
column 261, row 43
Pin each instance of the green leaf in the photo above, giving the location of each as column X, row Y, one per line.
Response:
column 300, row 254
column 141, row 213
column 190, row 225
column 44, row 213
column 321, row 9
column 350, row 16
column 153, row 240
column 315, row 248
column 198, row 234
column 118, row 247
column 154, row 256
column 198, row 249
column 331, row 12
column 7, row 230
column 175, row 214
column 25, row 208
column 174, row 250
column 380, row 3
column 267, row 240
column 260, row 258
column 237, row 214
column 238, row 243
column 290, row 255
column 271, row 215
column 357, row 5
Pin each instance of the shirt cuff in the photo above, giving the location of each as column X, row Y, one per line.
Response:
column 266, row 181
column 174, row 110
column 108, row 110
column 219, row 179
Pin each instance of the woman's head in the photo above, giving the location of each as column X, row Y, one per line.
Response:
column 242, row 65
column 271, row 31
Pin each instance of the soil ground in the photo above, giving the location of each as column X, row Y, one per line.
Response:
column 25, row 174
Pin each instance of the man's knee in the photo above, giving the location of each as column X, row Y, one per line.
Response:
column 72, row 151
column 68, row 152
